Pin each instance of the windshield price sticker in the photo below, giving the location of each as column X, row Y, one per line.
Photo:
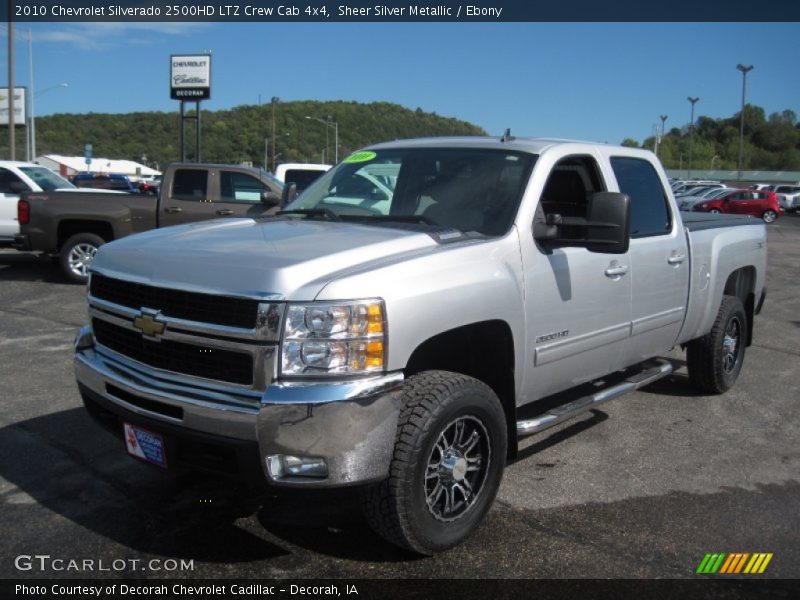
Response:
column 359, row 157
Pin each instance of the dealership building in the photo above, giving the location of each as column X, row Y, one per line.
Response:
column 68, row 166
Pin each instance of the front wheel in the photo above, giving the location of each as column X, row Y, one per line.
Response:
column 769, row 216
column 77, row 255
column 448, row 461
column 714, row 211
column 715, row 360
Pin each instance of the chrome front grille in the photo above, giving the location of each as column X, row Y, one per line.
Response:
column 210, row 353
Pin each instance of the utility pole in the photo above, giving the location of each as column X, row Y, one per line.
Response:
column 745, row 69
column 691, row 135
column 12, row 151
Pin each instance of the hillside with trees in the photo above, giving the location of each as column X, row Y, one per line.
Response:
column 239, row 134
column 770, row 143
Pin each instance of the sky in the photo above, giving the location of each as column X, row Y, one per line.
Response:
column 594, row 81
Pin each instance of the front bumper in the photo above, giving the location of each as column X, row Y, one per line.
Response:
column 350, row 424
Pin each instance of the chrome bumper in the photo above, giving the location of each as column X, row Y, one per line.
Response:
column 351, row 424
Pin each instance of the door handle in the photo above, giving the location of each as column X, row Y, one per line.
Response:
column 676, row 258
column 225, row 211
column 173, row 209
column 616, row 270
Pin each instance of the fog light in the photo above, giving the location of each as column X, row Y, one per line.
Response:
column 83, row 339
column 281, row 465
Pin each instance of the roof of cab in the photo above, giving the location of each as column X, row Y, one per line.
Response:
column 530, row 145
column 525, row 144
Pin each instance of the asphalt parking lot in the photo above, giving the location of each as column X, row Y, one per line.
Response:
column 643, row 488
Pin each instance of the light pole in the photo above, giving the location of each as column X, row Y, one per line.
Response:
column 329, row 122
column 661, row 137
column 745, row 69
column 12, row 139
column 33, row 114
column 274, row 100
column 691, row 136
column 713, row 158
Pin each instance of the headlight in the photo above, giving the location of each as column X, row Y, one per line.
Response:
column 334, row 338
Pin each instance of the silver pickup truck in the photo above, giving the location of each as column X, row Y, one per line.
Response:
column 402, row 341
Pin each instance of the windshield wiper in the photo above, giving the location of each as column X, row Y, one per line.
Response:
column 312, row 212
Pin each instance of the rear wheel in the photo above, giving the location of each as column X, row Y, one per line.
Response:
column 769, row 216
column 448, row 461
column 715, row 360
column 77, row 255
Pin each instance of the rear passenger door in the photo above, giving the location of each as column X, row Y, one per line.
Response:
column 659, row 260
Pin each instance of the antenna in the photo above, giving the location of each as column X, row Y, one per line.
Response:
column 507, row 137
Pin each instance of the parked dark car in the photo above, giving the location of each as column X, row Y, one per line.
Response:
column 744, row 202
column 105, row 181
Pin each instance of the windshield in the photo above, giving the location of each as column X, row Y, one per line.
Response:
column 472, row 190
column 46, row 179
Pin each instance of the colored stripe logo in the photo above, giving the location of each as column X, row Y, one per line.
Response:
column 735, row 563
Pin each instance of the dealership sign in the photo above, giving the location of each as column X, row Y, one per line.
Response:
column 190, row 77
column 19, row 106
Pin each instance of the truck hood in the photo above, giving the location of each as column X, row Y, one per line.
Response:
column 288, row 258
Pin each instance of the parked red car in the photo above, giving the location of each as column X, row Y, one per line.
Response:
column 744, row 202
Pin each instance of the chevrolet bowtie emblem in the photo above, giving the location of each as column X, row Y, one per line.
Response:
column 148, row 325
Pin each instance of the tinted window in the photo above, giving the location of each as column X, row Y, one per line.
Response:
column 638, row 179
column 6, row 178
column 241, row 187
column 190, row 184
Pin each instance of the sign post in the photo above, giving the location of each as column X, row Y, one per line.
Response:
column 190, row 81
column 87, row 156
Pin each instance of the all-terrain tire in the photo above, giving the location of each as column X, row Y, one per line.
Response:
column 452, row 434
column 715, row 360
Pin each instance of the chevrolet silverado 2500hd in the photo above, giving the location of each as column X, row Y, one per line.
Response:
column 391, row 342
column 73, row 225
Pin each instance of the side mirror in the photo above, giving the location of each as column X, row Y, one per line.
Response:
column 605, row 229
column 270, row 199
column 609, row 223
column 289, row 193
column 17, row 187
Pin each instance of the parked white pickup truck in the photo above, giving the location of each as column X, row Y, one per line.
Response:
column 393, row 344
column 17, row 177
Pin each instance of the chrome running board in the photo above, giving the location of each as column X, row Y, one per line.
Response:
column 572, row 409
